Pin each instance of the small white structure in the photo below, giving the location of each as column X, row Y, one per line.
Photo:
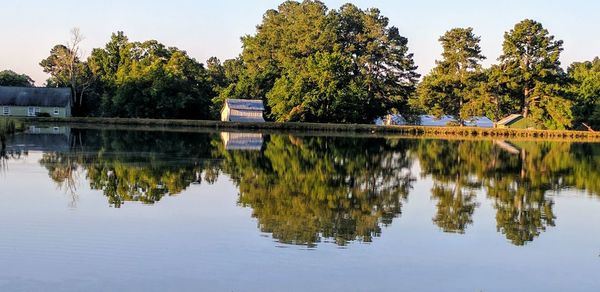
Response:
column 243, row 111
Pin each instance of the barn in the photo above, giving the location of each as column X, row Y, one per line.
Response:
column 243, row 111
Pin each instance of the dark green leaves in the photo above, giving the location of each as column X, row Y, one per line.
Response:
column 10, row 78
column 312, row 64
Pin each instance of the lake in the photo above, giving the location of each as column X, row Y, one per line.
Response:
column 85, row 209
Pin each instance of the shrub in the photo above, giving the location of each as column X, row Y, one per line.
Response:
column 43, row 115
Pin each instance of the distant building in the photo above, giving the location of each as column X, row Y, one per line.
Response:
column 242, row 141
column 243, row 111
column 479, row 122
column 516, row 121
column 32, row 101
column 432, row 121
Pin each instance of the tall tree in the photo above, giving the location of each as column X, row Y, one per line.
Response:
column 375, row 73
column 380, row 58
column 67, row 69
column 10, row 78
column 530, row 60
column 448, row 88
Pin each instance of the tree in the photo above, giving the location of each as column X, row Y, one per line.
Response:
column 67, row 70
column 303, row 190
column 217, row 77
column 375, row 75
column 530, row 62
column 321, row 90
column 381, row 62
column 585, row 88
column 10, row 78
column 149, row 80
column 449, row 87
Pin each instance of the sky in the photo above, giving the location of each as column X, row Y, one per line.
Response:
column 30, row 28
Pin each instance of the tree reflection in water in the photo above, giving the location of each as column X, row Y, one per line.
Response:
column 133, row 166
column 304, row 190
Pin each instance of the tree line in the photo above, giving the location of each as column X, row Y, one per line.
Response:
column 309, row 63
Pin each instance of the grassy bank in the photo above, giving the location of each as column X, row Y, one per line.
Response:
column 415, row 131
column 8, row 127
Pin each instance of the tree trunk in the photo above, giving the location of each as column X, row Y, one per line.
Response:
column 526, row 102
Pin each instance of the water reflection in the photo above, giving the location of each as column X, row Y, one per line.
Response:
column 133, row 166
column 306, row 189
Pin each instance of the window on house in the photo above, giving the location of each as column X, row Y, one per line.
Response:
column 6, row 111
column 30, row 111
column 37, row 110
column 56, row 112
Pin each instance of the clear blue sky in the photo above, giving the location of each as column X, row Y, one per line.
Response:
column 29, row 28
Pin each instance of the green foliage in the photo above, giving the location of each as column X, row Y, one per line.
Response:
column 149, row 80
column 493, row 97
column 133, row 166
column 517, row 183
column 66, row 69
column 585, row 89
column 225, row 79
column 318, row 91
column 451, row 87
column 532, row 73
column 347, row 65
column 10, row 78
column 7, row 127
column 313, row 64
column 304, row 189
column 58, row 66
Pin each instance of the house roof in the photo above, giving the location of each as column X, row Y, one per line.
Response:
column 35, row 96
column 510, row 119
column 245, row 104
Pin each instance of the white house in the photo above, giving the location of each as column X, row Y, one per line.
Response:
column 243, row 111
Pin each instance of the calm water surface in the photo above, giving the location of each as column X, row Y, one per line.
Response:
column 115, row 210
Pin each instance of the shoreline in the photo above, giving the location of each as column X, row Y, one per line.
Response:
column 408, row 131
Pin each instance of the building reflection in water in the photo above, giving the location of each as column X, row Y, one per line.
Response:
column 242, row 141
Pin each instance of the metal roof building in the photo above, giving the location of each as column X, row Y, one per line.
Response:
column 432, row 121
column 243, row 111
